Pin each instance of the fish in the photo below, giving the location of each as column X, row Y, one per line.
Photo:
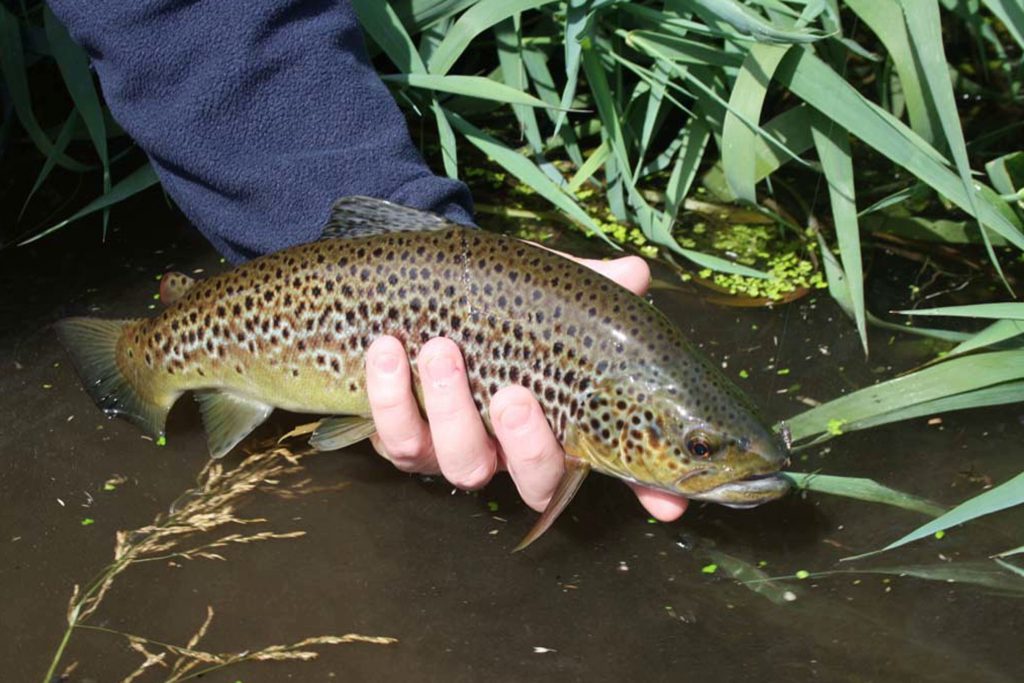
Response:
column 623, row 389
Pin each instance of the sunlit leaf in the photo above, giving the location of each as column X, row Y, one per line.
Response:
column 950, row 378
column 477, row 19
column 136, row 182
column 832, row 143
column 1006, row 495
column 1013, row 311
column 470, row 86
column 862, row 489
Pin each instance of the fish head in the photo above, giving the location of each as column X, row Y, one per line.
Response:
column 709, row 447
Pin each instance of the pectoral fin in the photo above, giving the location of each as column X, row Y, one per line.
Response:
column 575, row 472
column 229, row 418
column 335, row 433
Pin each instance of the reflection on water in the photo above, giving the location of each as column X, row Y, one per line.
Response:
column 605, row 595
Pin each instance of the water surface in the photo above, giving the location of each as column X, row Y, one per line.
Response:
column 605, row 595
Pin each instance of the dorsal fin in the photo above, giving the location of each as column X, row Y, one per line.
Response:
column 173, row 286
column 362, row 216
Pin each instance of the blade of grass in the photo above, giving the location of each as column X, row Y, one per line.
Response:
column 383, row 25
column 526, row 171
column 752, row 577
column 974, row 573
column 74, row 69
column 137, row 181
column 928, row 230
column 63, row 138
column 1010, row 567
column 652, row 115
column 477, row 19
column 949, row 378
column 817, row 84
column 926, row 41
column 999, row 394
column 655, row 227
column 12, row 65
column 537, row 68
column 589, row 167
column 996, row 333
column 792, row 127
column 887, row 22
column 420, row 15
column 860, row 488
column 1011, row 13
column 697, row 78
column 750, row 23
column 577, row 21
column 833, row 145
column 693, row 142
column 1006, row 495
column 508, row 36
column 1012, row 311
column 469, row 86
column 747, row 99
column 841, row 293
column 677, row 50
column 1007, row 174
column 897, row 197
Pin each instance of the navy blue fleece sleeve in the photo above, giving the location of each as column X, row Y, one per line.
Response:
column 256, row 114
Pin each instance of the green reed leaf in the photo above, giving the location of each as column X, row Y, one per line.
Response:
column 1006, row 495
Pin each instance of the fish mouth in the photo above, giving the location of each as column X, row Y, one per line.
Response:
column 747, row 492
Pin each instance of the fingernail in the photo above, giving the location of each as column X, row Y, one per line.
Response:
column 441, row 368
column 386, row 363
column 515, row 416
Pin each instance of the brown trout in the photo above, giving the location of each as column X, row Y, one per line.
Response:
column 621, row 387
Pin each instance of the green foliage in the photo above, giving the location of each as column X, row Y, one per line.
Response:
column 767, row 82
column 641, row 98
column 27, row 41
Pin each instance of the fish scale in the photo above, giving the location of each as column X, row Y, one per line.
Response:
column 621, row 387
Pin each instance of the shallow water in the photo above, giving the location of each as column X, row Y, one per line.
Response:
column 606, row 594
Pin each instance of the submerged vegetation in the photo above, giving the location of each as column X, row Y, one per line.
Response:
column 184, row 534
column 832, row 128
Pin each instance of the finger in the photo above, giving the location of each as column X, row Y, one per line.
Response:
column 464, row 450
column 532, row 453
column 632, row 272
column 662, row 505
column 402, row 435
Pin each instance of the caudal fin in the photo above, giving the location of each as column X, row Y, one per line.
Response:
column 92, row 344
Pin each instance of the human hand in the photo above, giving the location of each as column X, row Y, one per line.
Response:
column 453, row 440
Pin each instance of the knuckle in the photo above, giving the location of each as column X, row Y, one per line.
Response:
column 474, row 478
column 388, row 400
column 536, row 457
column 407, row 447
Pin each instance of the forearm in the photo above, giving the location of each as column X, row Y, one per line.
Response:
column 256, row 114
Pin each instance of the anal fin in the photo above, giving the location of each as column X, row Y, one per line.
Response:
column 335, row 433
column 575, row 472
column 229, row 418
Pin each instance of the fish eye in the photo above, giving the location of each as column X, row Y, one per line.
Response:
column 699, row 445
